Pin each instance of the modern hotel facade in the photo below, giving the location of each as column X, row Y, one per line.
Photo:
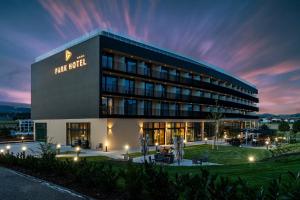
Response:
column 107, row 89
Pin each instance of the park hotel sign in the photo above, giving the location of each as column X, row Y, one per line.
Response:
column 79, row 62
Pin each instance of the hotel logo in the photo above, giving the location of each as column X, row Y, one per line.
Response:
column 68, row 55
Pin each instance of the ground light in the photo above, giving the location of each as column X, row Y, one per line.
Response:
column 251, row 159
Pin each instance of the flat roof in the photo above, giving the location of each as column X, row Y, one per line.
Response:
column 142, row 44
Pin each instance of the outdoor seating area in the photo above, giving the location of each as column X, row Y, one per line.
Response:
column 164, row 155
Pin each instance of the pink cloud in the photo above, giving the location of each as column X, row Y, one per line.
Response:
column 15, row 95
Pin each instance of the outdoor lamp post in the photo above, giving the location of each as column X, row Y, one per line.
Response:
column 156, row 146
column 267, row 144
column 24, row 148
column 77, row 149
column 58, row 147
column 7, row 149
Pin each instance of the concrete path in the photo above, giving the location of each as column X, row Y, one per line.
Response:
column 16, row 186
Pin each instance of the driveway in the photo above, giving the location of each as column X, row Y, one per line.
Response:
column 15, row 185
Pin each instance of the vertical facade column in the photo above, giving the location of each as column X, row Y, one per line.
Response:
column 202, row 130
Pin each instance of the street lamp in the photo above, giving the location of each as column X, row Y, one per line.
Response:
column 7, row 149
column 58, row 146
column 77, row 149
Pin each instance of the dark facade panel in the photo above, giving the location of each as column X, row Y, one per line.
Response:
column 121, row 46
column 71, row 94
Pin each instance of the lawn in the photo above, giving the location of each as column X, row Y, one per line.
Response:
column 228, row 155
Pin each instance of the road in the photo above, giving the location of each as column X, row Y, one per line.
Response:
column 16, row 186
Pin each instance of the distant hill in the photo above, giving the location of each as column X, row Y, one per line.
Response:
column 268, row 115
column 11, row 110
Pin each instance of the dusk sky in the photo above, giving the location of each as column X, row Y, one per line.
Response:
column 258, row 41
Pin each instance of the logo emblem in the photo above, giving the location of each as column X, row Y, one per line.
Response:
column 68, row 55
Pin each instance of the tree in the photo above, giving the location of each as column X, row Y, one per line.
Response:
column 296, row 126
column 284, row 127
column 216, row 116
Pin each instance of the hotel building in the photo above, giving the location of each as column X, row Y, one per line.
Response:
column 107, row 89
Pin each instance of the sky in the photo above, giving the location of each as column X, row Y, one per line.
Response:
column 258, row 41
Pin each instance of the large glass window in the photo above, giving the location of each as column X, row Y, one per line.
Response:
column 178, row 92
column 164, row 109
column 41, row 132
column 109, row 83
column 131, row 66
column 148, row 108
column 155, row 132
column 130, row 107
column 164, row 91
column 129, row 86
column 107, row 61
column 78, row 134
column 147, row 69
column 107, row 105
column 164, row 73
column 149, row 89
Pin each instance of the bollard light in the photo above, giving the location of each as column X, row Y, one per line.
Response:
column 24, row 148
column 156, row 146
column 184, row 141
column 205, row 139
column 75, row 159
column 106, row 146
column 2, row 151
column 7, row 149
column 126, row 148
column 58, row 147
column 77, row 149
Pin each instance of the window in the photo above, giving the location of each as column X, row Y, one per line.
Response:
column 109, row 83
column 78, row 134
column 129, row 86
column 131, row 66
column 148, row 107
column 149, row 89
column 164, row 73
column 130, row 107
column 107, row 61
column 41, row 132
column 164, row 91
column 164, row 111
column 107, row 105
column 147, row 70
column 178, row 92
column 177, row 109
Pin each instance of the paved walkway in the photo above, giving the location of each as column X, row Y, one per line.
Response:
column 16, row 186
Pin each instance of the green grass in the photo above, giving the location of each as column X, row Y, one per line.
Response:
column 256, row 174
column 227, row 155
column 88, row 158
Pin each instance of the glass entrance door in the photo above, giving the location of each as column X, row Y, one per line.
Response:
column 78, row 134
